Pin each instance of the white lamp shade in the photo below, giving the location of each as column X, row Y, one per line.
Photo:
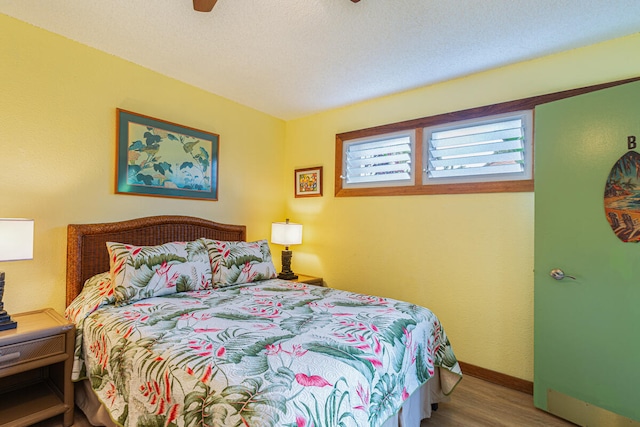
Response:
column 16, row 239
column 286, row 233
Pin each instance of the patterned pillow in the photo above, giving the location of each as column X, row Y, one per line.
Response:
column 233, row 263
column 96, row 292
column 139, row 272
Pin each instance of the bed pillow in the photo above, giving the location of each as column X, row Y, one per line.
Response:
column 139, row 272
column 233, row 263
column 96, row 292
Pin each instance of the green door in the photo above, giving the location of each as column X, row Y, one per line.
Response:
column 587, row 329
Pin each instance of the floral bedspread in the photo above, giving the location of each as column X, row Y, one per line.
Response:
column 269, row 353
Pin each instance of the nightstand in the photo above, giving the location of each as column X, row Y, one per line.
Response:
column 309, row 280
column 36, row 360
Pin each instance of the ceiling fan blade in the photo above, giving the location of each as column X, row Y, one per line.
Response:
column 204, row 5
column 355, row 1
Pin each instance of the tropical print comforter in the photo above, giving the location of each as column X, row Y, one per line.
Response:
column 269, row 353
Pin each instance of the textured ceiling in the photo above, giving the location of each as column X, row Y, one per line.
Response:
column 292, row 58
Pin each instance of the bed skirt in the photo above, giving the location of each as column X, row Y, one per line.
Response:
column 417, row 407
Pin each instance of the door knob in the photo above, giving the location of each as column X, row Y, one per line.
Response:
column 558, row 274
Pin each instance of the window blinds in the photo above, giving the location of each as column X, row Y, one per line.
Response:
column 479, row 149
column 379, row 161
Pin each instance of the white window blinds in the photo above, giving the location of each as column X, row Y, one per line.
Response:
column 489, row 148
column 386, row 160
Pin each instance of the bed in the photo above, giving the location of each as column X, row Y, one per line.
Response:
column 213, row 338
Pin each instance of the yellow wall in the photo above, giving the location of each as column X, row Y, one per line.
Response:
column 467, row 257
column 57, row 151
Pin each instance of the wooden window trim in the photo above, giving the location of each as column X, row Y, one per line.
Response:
column 418, row 125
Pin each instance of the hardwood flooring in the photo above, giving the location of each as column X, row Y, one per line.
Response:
column 474, row 403
column 478, row 403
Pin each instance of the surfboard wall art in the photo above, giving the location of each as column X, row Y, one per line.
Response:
column 622, row 197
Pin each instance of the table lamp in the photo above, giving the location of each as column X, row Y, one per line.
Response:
column 16, row 243
column 286, row 233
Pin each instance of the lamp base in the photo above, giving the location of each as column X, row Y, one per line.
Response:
column 290, row 275
column 286, row 273
column 6, row 322
column 5, row 319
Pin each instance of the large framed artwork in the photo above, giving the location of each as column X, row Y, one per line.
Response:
column 159, row 158
column 308, row 182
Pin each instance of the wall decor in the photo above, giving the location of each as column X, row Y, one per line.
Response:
column 159, row 158
column 622, row 197
column 308, row 182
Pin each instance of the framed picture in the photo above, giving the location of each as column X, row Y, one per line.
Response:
column 160, row 158
column 309, row 182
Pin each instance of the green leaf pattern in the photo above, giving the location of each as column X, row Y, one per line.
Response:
column 154, row 159
column 140, row 272
column 234, row 263
column 270, row 353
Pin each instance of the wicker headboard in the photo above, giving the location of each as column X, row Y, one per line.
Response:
column 86, row 243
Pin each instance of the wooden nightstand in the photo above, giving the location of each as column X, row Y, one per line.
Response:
column 35, row 369
column 309, row 280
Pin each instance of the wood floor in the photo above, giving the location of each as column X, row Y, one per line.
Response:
column 474, row 403
column 479, row 403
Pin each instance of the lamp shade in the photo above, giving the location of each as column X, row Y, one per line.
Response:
column 16, row 239
column 286, row 233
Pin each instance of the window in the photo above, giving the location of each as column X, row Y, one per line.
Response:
column 457, row 154
column 380, row 161
column 503, row 164
column 495, row 148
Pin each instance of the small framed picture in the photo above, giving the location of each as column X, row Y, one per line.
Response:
column 309, row 182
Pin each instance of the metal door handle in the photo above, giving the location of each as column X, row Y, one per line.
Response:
column 558, row 274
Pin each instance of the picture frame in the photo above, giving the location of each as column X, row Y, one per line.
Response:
column 308, row 182
column 159, row 158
